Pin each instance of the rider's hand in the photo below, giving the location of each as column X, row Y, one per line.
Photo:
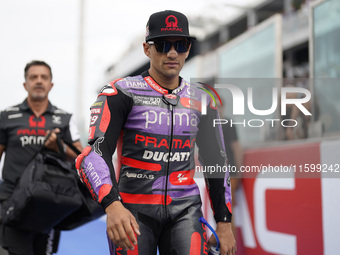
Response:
column 121, row 226
column 226, row 237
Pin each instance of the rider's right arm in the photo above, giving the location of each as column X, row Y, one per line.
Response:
column 94, row 164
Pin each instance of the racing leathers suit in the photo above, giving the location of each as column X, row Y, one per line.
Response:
column 155, row 133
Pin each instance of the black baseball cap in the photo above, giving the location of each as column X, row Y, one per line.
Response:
column 167, row 23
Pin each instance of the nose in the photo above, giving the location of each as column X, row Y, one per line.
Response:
column 39, row 79
column 172, row 52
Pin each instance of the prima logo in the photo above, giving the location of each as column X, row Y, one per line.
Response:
column 32, row 140
column 92, row 173
column 163, row 118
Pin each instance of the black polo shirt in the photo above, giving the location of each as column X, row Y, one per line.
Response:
column 23, row 134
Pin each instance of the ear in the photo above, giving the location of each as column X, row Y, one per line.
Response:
column 146, row 48
column 24, row 84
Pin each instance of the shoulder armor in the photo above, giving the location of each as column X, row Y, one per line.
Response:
column 109, row 89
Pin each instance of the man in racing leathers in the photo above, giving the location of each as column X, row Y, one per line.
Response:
column 155, row 119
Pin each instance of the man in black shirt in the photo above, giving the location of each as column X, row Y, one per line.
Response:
column 23, row 129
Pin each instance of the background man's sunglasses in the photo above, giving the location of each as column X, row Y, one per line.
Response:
column 165, row 46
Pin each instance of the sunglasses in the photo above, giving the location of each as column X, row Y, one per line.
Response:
column 165, row 46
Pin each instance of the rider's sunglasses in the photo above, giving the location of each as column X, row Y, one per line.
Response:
column 163, row 46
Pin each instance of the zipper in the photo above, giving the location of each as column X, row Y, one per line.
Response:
column 170, row 146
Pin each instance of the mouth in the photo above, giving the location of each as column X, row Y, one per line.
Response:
column 39, row 88
column 171, row 64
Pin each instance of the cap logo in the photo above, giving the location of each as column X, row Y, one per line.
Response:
column 171, row 25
